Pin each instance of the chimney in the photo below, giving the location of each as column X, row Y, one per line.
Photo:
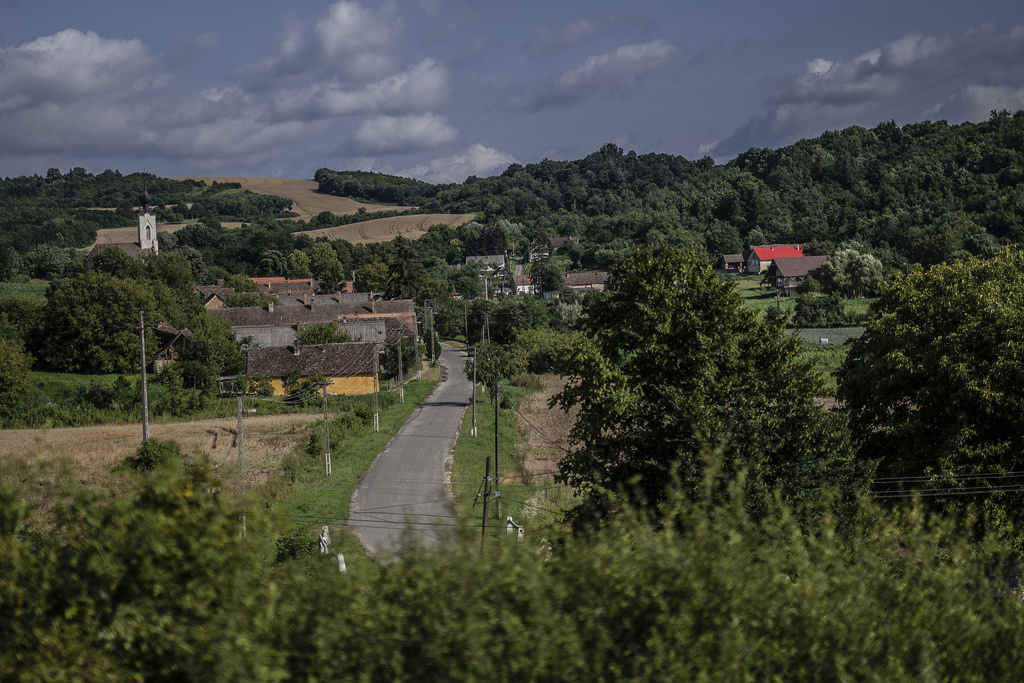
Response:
column 373, row 305
column 305, row 299
column 295, row 349
column 270, row 307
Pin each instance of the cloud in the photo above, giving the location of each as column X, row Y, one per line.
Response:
column 348, row 43
column 475, row 160
column 914, row 77
column 67, row 66
column 547, row 39
column 617, row 71
column 423, row 86
column 388, row 134
column 977, row 102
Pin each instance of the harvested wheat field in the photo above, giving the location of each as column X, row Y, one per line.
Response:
column 387, row 229
column 90, row 453
column 131, row 234
column 306, row 201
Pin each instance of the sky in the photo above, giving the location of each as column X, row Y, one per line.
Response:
column 443, row 89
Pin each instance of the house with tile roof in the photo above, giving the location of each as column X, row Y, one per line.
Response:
column 758, row 258
column 352, row 368
column 786, row 273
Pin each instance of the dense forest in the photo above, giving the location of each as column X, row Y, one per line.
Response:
column 918, row 193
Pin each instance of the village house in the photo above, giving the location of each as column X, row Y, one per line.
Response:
column 525, row 284
column 594, row 281
column 758, row 258
column 493, row 262
column 278, row 326
column 348, row 368
column 786, row 273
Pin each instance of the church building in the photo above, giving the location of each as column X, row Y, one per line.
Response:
column 145, row 244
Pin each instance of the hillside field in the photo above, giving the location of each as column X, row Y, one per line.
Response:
column 387, row 229
column 307, row 203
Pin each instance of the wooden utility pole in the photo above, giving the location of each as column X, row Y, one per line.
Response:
column 487, row 493
column 401, row 374
column 497, row 494
column 327, row 433
column 376, row 386
column 241, row 470
column 142, row 363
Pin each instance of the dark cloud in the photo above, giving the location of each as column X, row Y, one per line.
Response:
column 617, row 71
column 918, row 76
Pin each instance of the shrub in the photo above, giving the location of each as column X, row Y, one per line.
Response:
column 153, row 452
column 293, row 545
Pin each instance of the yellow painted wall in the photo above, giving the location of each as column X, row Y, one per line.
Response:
column 339, row 386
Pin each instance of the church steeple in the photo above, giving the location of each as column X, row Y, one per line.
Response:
column 147, row 224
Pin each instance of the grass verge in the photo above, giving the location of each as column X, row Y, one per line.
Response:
column 532, row 502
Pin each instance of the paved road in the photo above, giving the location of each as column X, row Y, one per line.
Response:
column 404, row 491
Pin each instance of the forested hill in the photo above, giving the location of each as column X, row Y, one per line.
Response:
column 67, row 208
column 920, row 192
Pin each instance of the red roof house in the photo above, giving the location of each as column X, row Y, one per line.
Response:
column 759, row 258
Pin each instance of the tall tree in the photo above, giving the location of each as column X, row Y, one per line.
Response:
column 671, row 368
column 933, row 384
column 91, row 324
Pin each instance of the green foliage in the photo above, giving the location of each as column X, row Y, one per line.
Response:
column 92, row 324
column 158, row 585
column 670, row 367
column 933, row 383
column 153, row 453
column 15, row 374
column 294, row 544
column 851, row 272
column 496, row 363
column 322, row 333
column 820, row 310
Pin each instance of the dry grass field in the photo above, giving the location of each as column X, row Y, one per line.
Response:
column 89, row 454
column 387, row 229
column 306, row 201
column 543, row 430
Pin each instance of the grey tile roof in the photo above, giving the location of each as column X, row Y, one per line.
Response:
column 331, row 360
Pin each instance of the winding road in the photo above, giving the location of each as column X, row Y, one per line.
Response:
column 404, row 490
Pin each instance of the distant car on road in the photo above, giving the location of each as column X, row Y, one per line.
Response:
column 470, row 350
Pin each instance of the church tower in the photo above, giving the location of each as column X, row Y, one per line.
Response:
column 147, row 225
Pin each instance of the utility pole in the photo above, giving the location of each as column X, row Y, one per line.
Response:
column 241, row 471
column 432, row 333
column 487, row 493
column 376, row 386
column 142, row 363
column 401, row 375
column 497, row 494
column 327, row 433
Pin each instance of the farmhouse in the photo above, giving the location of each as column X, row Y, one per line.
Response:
column 788, row 272
column 494, row 262
column 594, row 281
column 760, row 257
column 278, row 326
column 348, row 368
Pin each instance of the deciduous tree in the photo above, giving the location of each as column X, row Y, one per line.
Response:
column 672, row 367
column 934, row 384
